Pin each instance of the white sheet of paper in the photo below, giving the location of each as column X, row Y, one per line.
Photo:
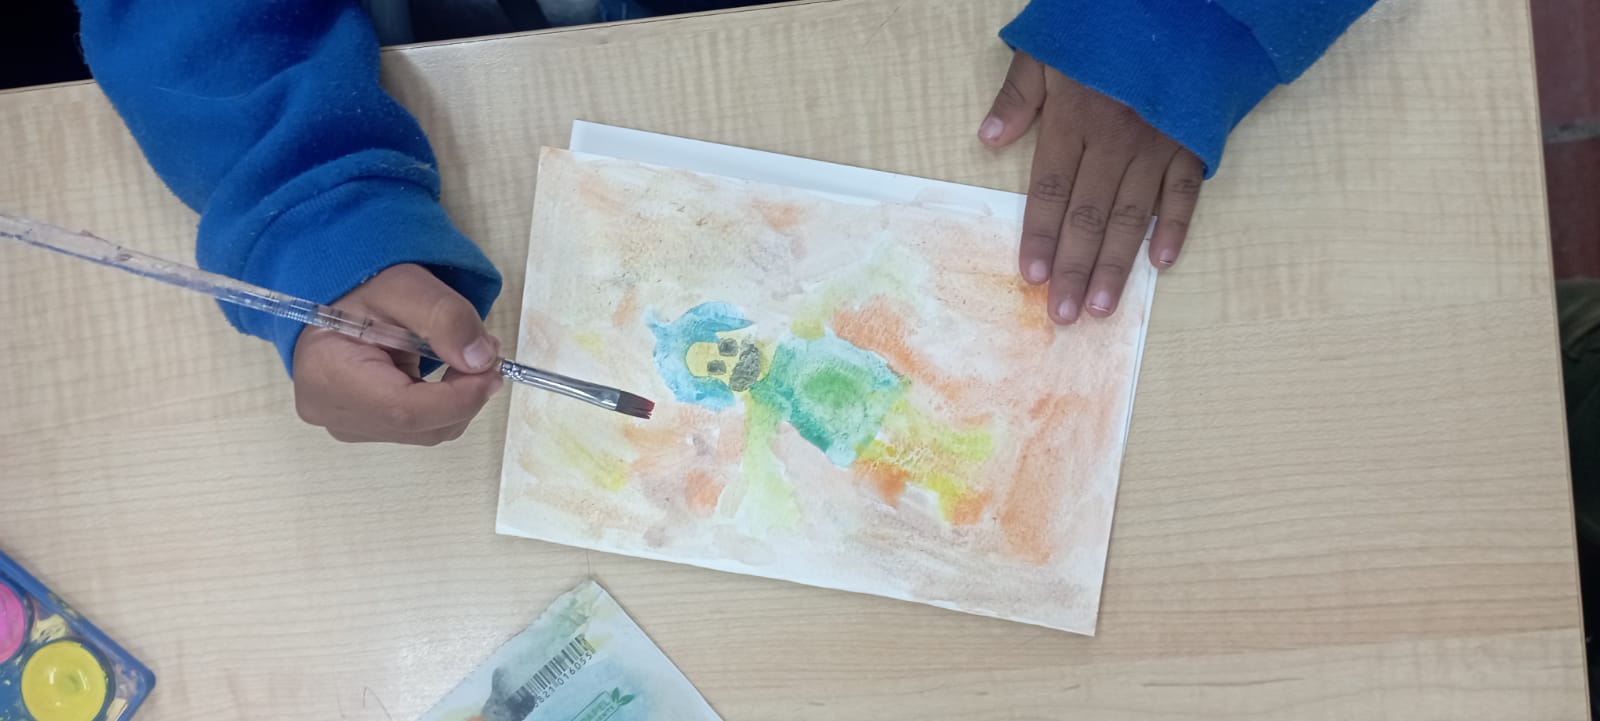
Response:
column 622, row 488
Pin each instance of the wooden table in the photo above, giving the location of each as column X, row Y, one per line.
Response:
column 1345, row 493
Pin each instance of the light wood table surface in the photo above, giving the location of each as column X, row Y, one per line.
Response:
column 1345, row 494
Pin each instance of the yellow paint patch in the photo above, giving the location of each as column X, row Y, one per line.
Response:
column 602, row 469
column 590, row 342
column 807, row 328
column 64, row 681
column 701, row 355
column 913, row 449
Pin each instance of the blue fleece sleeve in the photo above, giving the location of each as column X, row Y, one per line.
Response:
column 1190, row 68
column 1295, row 34
column 267, row 119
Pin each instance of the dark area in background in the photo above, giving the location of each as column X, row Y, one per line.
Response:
column 39, row 44
column 39, row 38
column 1566, row 44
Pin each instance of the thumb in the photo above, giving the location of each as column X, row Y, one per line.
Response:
column 1017, row 103
column 415, row 298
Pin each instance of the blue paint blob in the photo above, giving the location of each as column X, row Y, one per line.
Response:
column 699, row 324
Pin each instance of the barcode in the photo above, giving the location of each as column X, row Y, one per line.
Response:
column 564, row 665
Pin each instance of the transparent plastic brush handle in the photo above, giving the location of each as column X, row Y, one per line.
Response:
column 229, row 290
column 95, row 249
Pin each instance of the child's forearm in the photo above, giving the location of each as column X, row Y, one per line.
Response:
column 268, row 119
column 1191, row 68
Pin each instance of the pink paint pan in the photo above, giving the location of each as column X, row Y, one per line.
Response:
column 15, row 621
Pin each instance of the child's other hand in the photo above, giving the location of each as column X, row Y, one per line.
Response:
column 363, row 393
column 1099, row 171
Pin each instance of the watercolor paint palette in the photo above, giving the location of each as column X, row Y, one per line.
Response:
column 56, row 666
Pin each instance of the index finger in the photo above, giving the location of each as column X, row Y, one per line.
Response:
column 359, row 389
column 1055, row 169
column 1180, row 192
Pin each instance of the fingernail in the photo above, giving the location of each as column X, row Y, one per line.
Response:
column 1037, row 272
column 991, row 129
column 478, row 354
column 1067, row 312
column 1167, row 257
column 1102, row 301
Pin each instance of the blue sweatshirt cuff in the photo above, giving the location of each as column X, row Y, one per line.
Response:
column 1187, row 67
column 326, row 245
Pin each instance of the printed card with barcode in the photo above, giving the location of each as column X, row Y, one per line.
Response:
column 583, row 660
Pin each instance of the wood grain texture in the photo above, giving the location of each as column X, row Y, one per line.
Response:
column 1345, row 494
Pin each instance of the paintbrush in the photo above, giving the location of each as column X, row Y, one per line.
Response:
column 98, row 250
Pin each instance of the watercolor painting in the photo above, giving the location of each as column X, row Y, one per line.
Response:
column 851, row 394
column 584, row 659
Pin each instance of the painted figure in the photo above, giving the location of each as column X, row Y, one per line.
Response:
column 844, row 400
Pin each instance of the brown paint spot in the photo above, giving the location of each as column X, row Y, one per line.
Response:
column 1046, row 407
column 701, row 491
column 1030, row 505
column 627, row 310
column 782, row 217
column 597, row 192
column 685, row 460
column 1034, row 315
column 889, row 479
column 662, row 450
column 966, row 511
column 652, row 447
column 977, row 420
column 730, row 445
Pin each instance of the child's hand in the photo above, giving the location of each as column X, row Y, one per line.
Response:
column 1099, row 171
column 362, row 393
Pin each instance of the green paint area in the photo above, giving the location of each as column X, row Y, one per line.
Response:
column 843, row 399
column 768, row 500
column 834, row 394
